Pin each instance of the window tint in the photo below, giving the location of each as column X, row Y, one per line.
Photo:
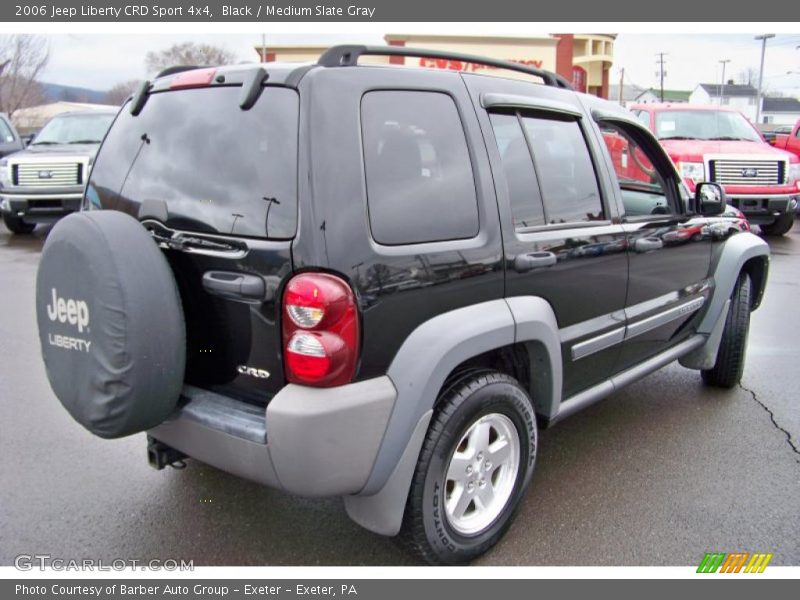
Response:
column 565, row 170
column 420, row 185
column 523, row 189
column 5, row 133
column 643, row 188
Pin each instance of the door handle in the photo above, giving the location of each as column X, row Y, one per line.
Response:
column 534, row 260
column 647, row 244
column 235, row 286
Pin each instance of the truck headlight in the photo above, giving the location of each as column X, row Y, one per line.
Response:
column 5, row 177
column 793, row 174
column 696, row 171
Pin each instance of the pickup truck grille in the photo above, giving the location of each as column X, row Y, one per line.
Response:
column 47, row 174
column 747, row 172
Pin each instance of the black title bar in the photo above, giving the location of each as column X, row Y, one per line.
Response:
column 397, row 10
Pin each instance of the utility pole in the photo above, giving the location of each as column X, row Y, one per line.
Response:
column 763, row 39
column 621, row 84
column 660, row 61
column 722, row 87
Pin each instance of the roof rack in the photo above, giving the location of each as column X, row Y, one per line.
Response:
column 348, row 55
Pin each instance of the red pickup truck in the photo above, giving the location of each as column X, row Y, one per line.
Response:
column 713, row 143
column 789, row 141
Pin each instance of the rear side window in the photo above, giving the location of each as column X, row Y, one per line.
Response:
column 565, row 170
column 515, row 156
column 218, row 168
column 420, row 185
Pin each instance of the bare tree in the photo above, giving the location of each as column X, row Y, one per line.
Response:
column 120, row 92
column 748, row 76
column 22, row 60
column 188, row 53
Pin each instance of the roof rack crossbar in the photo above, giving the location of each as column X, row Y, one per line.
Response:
column 348, row 55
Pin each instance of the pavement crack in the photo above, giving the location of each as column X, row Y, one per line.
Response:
column 788, row 435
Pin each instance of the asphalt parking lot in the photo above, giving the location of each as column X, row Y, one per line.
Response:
column 656, row 475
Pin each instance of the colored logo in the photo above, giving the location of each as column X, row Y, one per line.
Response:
column 737, row 562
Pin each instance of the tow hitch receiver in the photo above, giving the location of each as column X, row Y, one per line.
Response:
column 159, row 455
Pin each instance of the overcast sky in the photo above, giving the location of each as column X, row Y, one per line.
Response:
column 100, row 61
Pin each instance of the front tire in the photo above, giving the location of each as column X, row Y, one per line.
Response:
column 727, row 371
column 475, row 466
column 782, row 225
column 17, row 225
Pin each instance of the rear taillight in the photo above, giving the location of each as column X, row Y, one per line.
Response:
column 320, row 330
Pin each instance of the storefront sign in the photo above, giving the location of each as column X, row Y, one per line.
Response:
column 460, row 65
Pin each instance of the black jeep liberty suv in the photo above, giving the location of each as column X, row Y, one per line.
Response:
column 378, row 283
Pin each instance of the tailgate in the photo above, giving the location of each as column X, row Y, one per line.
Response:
column 217, row 186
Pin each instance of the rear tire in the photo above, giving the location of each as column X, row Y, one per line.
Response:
column 17, row 225
column 782, row 225
column 727, row 371
column 475, row 466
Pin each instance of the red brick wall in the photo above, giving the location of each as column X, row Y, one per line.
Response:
column 397, row 60
column 564, row 52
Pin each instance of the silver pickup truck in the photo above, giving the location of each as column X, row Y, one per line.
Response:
column 45, row 181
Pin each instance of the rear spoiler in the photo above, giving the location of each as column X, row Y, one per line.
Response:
column 252, row 81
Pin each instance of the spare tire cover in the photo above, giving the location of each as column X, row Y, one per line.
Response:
column 110, row 323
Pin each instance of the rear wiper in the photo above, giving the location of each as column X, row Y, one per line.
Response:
column 85, row 142
column 191, row 241
column 178, row 240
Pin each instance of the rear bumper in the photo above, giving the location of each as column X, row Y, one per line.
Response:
column 42, row 207
column 764, row 209
column 308, row 441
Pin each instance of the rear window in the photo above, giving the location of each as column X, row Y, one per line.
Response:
column 218, row 168
column 420, row 186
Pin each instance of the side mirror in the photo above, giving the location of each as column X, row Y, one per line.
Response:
column 710, row 199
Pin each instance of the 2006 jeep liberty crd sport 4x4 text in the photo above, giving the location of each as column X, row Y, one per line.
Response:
column 378, row 283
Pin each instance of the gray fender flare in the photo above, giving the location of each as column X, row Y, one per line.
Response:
column 418, row 372
column 737, row 251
